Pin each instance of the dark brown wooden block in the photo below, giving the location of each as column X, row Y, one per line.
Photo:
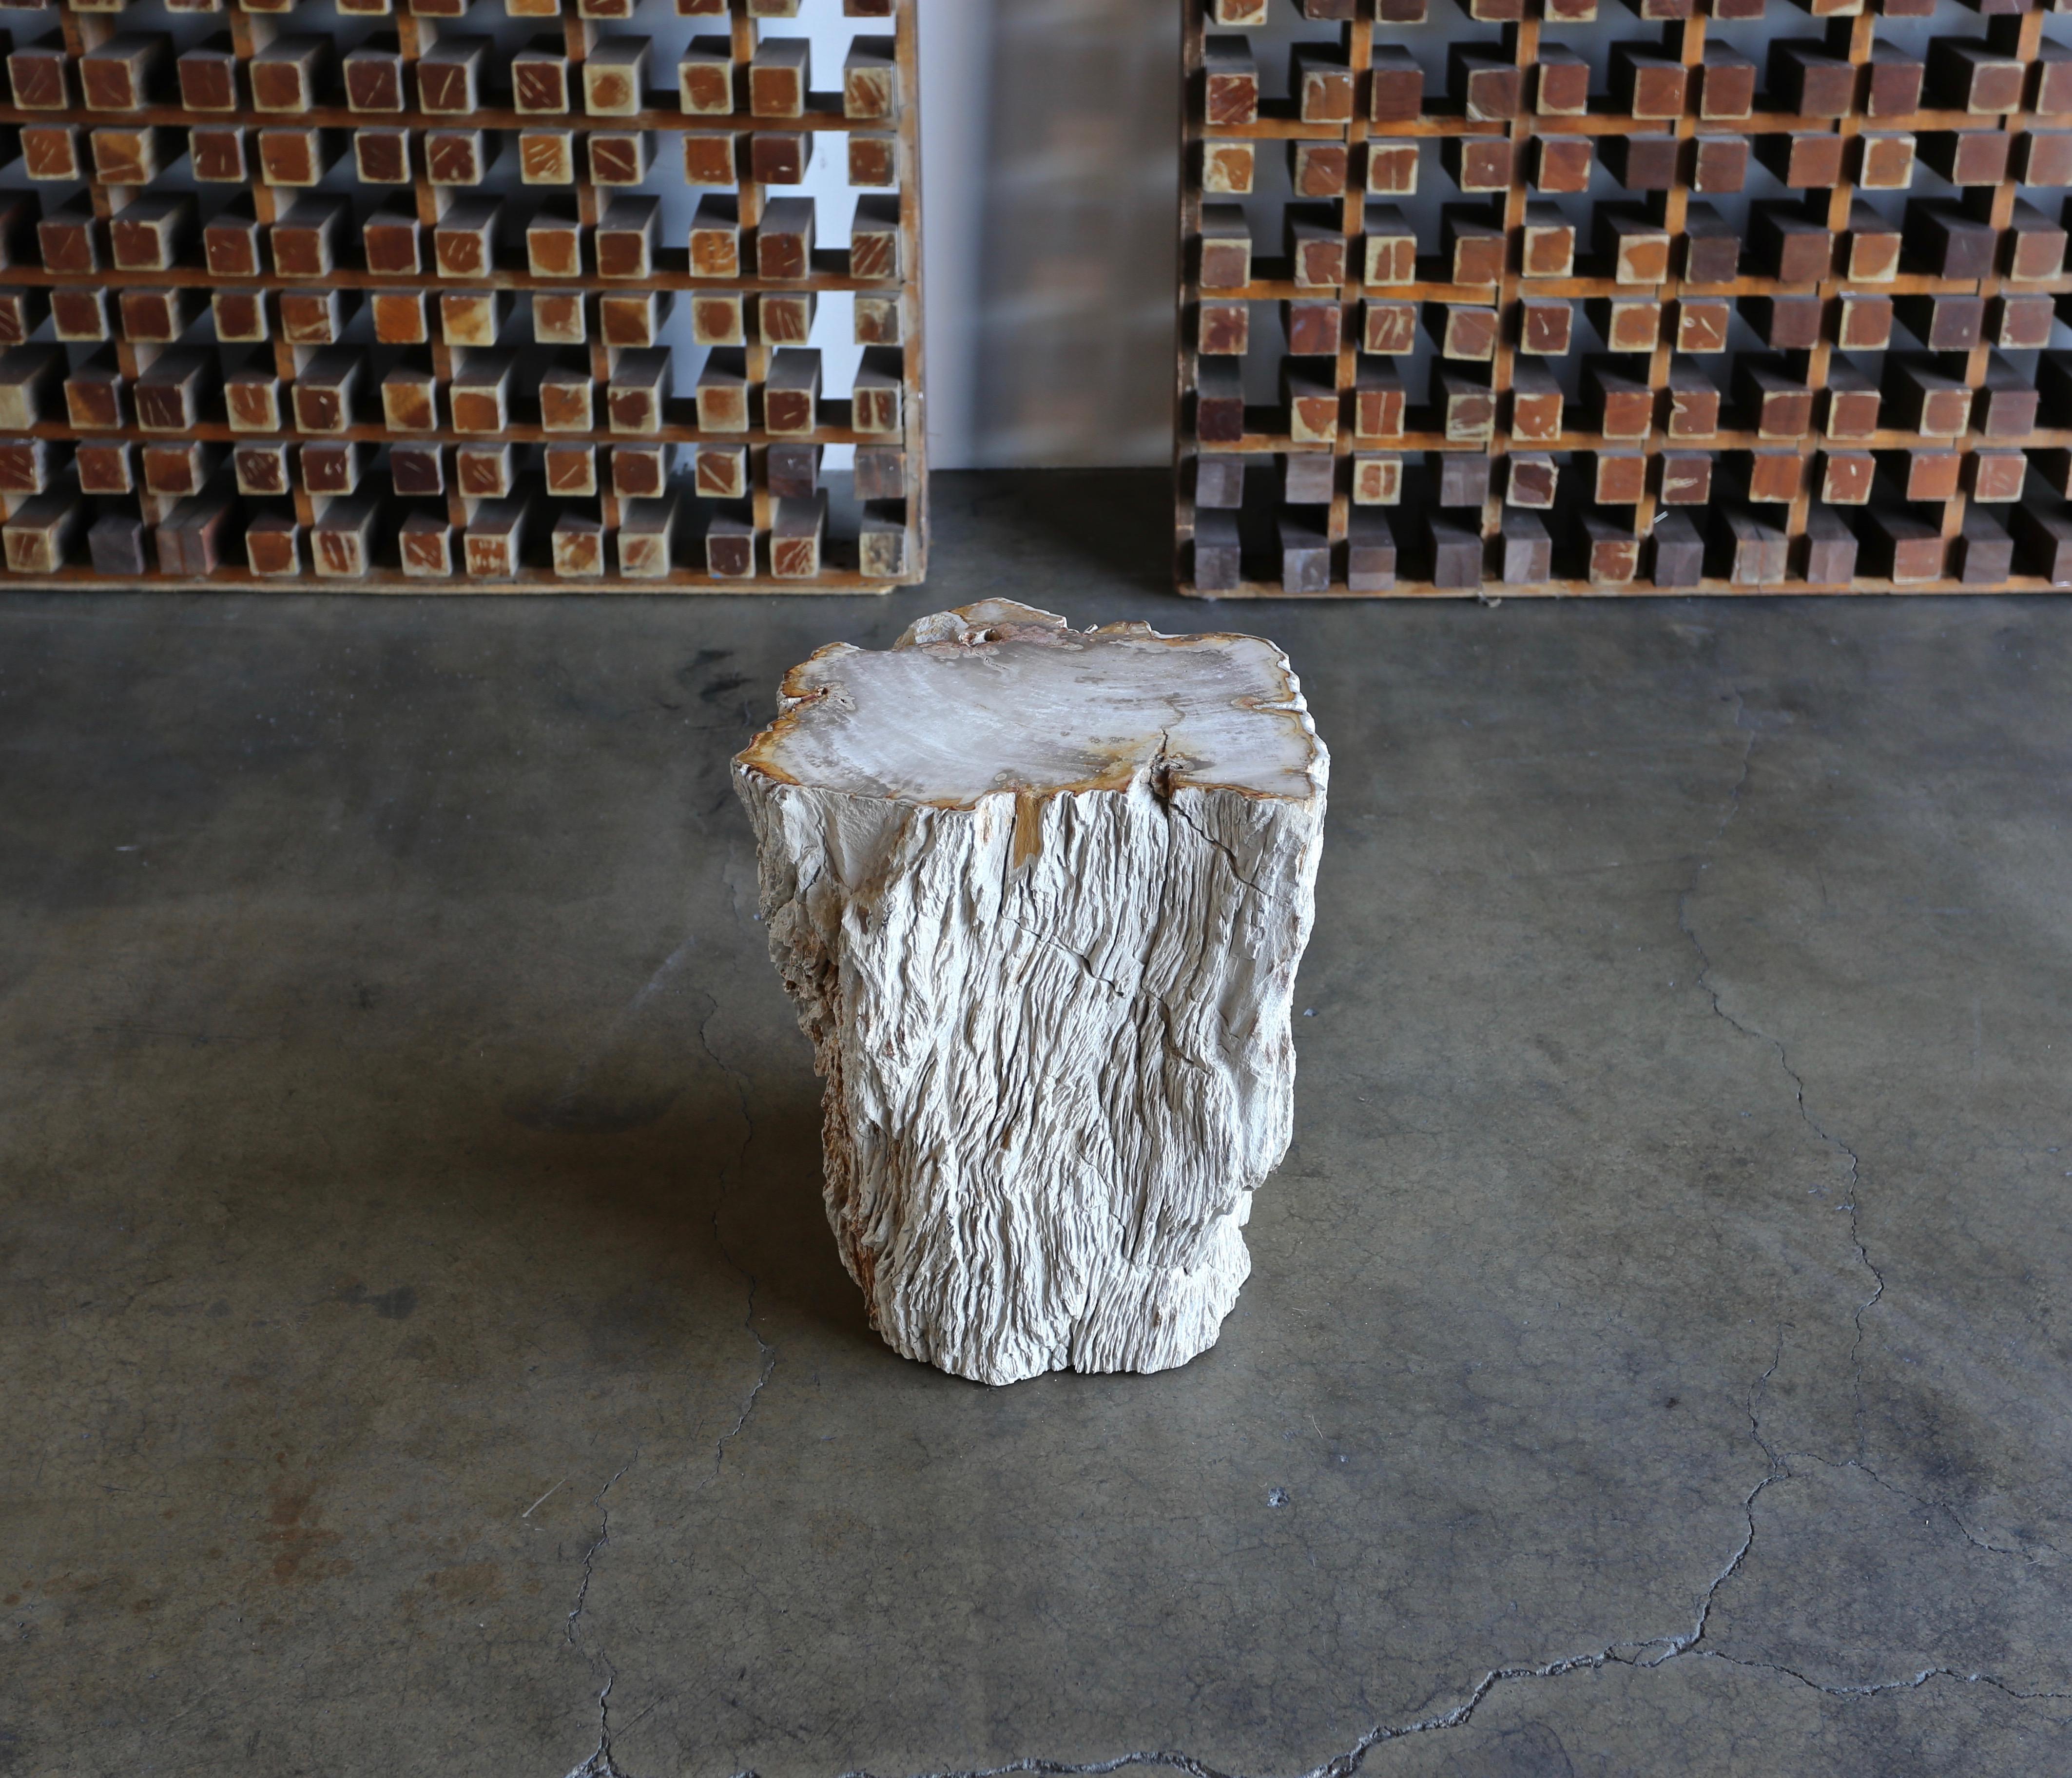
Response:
column 1967, row 157
column 1460, row 478
column 1642, row 164
column 1808, row 80
column 1676, row 552
column 1898, row 547
column 1831, row 548
column 1790, row 245
column 1455, row 548
column 1996, row 477
column 1611, row 551
column 2043, row 542
column 115, row 545
column 1802, row 161
column 1967, row 74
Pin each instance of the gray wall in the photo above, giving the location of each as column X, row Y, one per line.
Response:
column 1050, row 133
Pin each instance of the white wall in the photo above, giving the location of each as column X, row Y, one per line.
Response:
column 1049, row 132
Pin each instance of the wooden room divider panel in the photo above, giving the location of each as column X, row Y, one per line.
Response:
column 507, row 299
column 1538, row 298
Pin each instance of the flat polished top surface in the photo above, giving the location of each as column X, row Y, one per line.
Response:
column 1002, row 696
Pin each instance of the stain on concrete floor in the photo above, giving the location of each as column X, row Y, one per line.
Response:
column 425, row 1353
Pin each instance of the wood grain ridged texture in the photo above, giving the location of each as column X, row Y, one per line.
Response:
column 1561, row 297
column 1046, row 962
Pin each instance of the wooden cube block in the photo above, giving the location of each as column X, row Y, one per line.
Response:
column 639, row 471
column 471, row 318
column 128, row 155
column 1377, row 478
column 1313, row 328
column 546, row 156
column 1616, row 477
column 119, row 74
column 1712, row 245
column 286, row 73
column 2020, row 323
column 1893, row 87
column 171, row 390
column 409, row 400
column 1853, row 402
column 1378, row 400
column 1474, row 247
column 797, row 533
column 54, row 152
column 1702, row 324
column 646, row 532
column 1997, row 477
column 1886, row 161
column 1316, row 247
column 39, row 77
column 1968, row 157
column 777, row 78
column 540, row 82
column 1694, row 402
column 1562, row 163
column 1390, row 246
column 1395, row 87
column 2035, row 245
column 1803, row 162
column 1685, row 478
column 2005, row 406
column 1792, row 247
column 1864, row 323
column 25, row 465
column 115, row 545
column 615, row 77
column 1624, row 405
column 464, row 240
column 1899, row 547
column 484, row 471
column 263, row 469
column 1642, row 164
column 1871, row 253
column 331, row 466
column 306, row 240
column 373, row 75
column 715, row 244
column 1675, row 552
column 1726, row 85
column 1636, row 245
column 1546, row 326
column 2043, row 542
column 1943, row 323
column 457, row 157
column 94, row 392
column 423, row 544
column 38, row 534
column 382, row 156
column 570, row 470
column 417, row 470
column 1532, row 481
column 449, row 75
column 704, row 78
column 400, row 317
column 1719, row 163
column 156, row 318
column 873, row 239
column 1647, row 83
column 1490, row 87
column 1966, row 74
column 1920, row 397
column 342, row 540
column 1230, row 83
column 870, row 81
column 1454, row 549
column 633, row 399
column 1535, row 402
column 1467, row 407
column 1809, row 81
column 1830, row 550
column 481, row 392
column 874, row 162
column 1627, row 324
column 1460, row 478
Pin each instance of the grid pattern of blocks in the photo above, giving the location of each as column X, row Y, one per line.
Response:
column 1707, row 300
column 387, row 297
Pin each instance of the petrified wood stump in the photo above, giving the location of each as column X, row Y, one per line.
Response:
column 1039, row 895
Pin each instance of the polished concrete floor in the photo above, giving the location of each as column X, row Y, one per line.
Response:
column 423, row 1351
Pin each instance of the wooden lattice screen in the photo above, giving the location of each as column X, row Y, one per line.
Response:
column 1532, row 297
column 501, row 299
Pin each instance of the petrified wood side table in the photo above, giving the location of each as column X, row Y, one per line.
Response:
column 1039, row 895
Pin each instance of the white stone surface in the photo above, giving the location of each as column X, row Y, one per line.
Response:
column 1039, row 895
